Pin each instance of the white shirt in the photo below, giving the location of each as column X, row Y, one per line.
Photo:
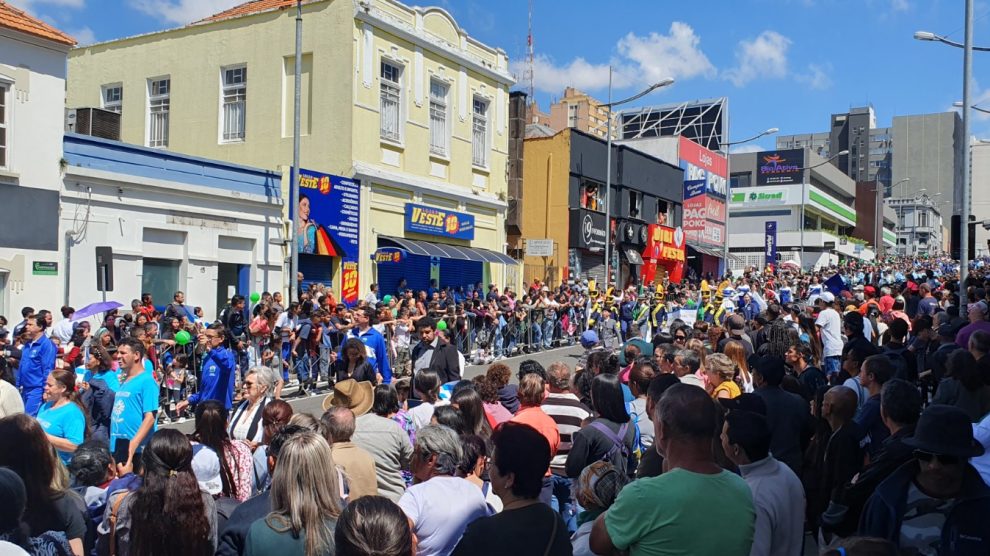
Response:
column 440, row 509
column 981, row 433
column 63, row 330
column 286, row 323
column 831, row 326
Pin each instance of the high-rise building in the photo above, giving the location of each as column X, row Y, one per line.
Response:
column 980, row 202
column 577, row 110
column 918, row 154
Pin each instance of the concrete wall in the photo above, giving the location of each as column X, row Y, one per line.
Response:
column 32, row 71
column 219, row 215
column 928, row 149
column 980, row 202
column 547, row 181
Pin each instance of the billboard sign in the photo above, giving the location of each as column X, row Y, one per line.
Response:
column 780, row 167
column 752, row 197
column 329, row 210
column 434, row 221
column 700, row 163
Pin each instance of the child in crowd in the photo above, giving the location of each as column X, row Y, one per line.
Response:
column 401, row 340
column 175, row 382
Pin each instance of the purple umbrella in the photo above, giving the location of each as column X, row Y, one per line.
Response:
column 95, row 308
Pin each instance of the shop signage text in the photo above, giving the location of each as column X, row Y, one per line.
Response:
column 587, row 229
column 439, row 222
column 388, row 255
column 780, row 167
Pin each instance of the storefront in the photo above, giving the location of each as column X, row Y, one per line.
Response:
column 444, row 258
column 665, row 255
column 630, row 238
column 328, row 232
column 586, row 255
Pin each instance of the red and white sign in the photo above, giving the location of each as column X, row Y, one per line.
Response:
column 702, row 157
column 695, row 219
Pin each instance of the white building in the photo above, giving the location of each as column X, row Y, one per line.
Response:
column 980, row 202
column 175, row 222
column 778, row 186
column 32, row 105
column 919, row 226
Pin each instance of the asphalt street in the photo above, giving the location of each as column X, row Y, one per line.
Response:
column 314, row 404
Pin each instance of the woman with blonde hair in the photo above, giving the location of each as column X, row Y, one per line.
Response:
column 698, row 347
column 735, row 351
column 305, row 501
column 721, row 370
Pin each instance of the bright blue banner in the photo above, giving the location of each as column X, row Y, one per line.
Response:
column 434, row 221
column 770, row 244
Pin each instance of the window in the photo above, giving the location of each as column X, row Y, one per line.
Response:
column 479, row 133
column 741, row 179
column 922, row 218
column 663, row 212
column 438, row 118
column 160, row 277
column 4, row 119
column 158, row 108
column 391, row 102
column 113, row 97
column 635, row 204
column 572, row 115
column 234, row 99
column 592, row 197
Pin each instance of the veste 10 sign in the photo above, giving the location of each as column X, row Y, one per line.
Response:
column 439, row 222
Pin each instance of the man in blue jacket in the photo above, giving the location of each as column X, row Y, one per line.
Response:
column 218, row 370
column 936, row 503
column 373, row 342
column 37, row 360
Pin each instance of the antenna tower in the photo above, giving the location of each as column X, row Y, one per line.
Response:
column 529, row 45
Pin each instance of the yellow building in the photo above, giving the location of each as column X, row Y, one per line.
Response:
column 399, row 99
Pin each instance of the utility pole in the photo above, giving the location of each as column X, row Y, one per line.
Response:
column 294, row 183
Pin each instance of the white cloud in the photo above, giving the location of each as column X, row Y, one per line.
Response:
column 182, row 11
column 657, row 56
column 30, row 5
column 817, row 76
column 900, row 5
column 763, row 57
column 747, row 148
column 641, row 60
column 84, row 36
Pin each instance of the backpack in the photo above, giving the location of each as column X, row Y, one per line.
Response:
column 618, row 445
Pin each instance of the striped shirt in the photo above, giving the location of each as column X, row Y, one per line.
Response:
column 567, row 412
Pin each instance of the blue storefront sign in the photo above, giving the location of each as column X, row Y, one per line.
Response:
column 770, row 244
column 434, row 221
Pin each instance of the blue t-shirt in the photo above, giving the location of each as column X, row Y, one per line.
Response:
column 135, row 397
column 66, row 422
column 110, row 377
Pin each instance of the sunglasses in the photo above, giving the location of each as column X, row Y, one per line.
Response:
column 928, row 457
column 679, row 338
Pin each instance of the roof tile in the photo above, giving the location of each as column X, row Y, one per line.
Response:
column 247, row 8
column 12, row 18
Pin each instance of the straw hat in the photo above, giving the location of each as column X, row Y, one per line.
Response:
column 354, row 395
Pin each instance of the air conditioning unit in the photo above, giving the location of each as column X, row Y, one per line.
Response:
column 93, row 121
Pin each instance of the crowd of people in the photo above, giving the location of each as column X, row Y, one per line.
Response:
column 761, row 414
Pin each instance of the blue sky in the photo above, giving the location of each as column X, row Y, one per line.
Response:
column 782, row 63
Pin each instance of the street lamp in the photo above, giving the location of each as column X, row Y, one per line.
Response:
column 968, row 48
column 728, row 186
column 804, row 184
column 959, row 104
column 608, row 159
column 294, row 184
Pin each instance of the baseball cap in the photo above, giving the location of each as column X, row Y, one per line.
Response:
column 589, row 338
column 979, row 305
column 827, row 297
column 870, row 290
column 206, row 468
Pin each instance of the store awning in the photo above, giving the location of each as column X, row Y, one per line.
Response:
column 633, row 257
column 445, row 251
column 707, row 250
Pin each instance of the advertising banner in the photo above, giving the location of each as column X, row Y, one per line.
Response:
column 751, row 197
column 349, row 290
column 780, row 167
column 329, row 210
column 587, row 229
column 770, row 244
column 695, row 218
column 434, row 221
column 701, row 163
column 389, row 255
column 667, row 247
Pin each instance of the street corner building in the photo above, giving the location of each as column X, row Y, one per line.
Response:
column 404, row 133
column 32, row 102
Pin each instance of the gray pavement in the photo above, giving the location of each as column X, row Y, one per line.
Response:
column 314, row 404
